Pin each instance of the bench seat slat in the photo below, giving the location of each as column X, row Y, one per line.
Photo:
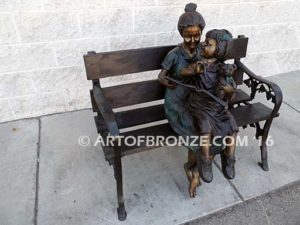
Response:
column 240, row 97
column 156, row 113
column 244, row 115
column 164, row 130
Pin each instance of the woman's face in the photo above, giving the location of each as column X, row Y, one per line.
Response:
column 191, row 36
column 209, row 48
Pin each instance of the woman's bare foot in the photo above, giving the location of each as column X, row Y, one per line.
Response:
column 194, row 183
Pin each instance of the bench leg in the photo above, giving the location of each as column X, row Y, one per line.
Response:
column 264, row 158
column 119, row 180
column 263, row 148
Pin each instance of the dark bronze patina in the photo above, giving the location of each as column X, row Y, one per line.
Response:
column 213, row 53
column 104, row 100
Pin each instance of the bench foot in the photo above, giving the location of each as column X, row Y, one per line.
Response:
column 264, row 165
column 264, row 158
column 122, row 213
column 119, row 180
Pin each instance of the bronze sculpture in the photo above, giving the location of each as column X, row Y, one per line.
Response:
column 202, row 113
column 105, row 99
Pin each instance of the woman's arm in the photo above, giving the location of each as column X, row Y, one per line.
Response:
column 161, row 78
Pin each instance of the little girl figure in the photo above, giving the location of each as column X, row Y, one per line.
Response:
column 212, row 119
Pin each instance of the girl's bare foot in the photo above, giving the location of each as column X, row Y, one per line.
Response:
column 194, row 183
column 188, row 171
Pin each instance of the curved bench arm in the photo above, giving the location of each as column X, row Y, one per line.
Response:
column 105, row 110
column 256, row 83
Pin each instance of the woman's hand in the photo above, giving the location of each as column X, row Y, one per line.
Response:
column 161, row 78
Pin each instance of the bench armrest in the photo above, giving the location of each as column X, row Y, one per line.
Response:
column 256, row 83
column 105, row 110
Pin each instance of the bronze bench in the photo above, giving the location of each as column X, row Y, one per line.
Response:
column 109, row 122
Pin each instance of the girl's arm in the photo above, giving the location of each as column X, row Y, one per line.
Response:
column 196, row 68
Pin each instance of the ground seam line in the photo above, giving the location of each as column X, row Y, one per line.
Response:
column 291, row 106
column 231, row 184
column 36, row 202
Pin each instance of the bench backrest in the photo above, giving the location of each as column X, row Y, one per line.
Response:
column 107, row 64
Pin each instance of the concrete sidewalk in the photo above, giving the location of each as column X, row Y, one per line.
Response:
column 48, row 178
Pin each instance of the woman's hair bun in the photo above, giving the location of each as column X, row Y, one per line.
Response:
column 191, row 7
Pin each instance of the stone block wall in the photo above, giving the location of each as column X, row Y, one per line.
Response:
column 42, row 43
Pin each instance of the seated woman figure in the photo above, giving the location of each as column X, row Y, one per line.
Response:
column 180, row 64
column 189, row 112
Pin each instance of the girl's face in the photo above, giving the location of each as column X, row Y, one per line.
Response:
column 191, row 36
column 209, row 48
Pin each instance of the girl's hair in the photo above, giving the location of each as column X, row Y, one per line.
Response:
column 190, row 18
column 222, row 37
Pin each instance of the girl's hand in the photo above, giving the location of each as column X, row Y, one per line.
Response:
column 199, row 68
column 196, row 68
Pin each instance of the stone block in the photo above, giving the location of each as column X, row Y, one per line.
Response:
column 172, row 38
column 150, row 20
column 58, row 79
column 131, row 41
column 288, row 60
column 231, row 1
column 6, row 113
column 106, row 23
column 26, row 106
column 53, row 102
column 18, row 144
column 211, row 14
column 262, row 64
column 78, row 98
column 65, row 5
column 16, row 84
column 37, row 105
column 278, row 12
column 47, row 26
column 270, row 37
column 253, row 0
column 237, row 14
column 130, row 3
column 8, row 33
column 13, row 5
column 70, row 53
column 26, row 57
column 183, row 3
